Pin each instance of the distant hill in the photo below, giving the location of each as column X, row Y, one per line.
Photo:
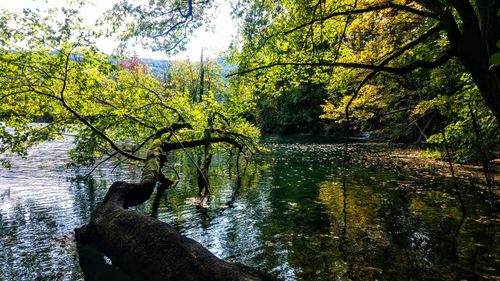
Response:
column 226, row 68
column 157, row 67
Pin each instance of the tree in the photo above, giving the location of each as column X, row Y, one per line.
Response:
column 159, row 25
column 51, row 69
column 420, row 61
column 323, row 36
column 134, row 64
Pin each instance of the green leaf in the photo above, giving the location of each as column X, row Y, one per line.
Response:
column 495, row 59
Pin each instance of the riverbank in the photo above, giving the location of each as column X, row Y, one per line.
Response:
column 414, row 160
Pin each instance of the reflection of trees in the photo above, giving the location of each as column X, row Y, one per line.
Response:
column 221, row 227
column 87, row 191
column 390, row 232
column 466, row 256
column 422, row 241
column 37, row 216
column 364, row 237
column 31, row 245
column 297, row 231
column 395, row 210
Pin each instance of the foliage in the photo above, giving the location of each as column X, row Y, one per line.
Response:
column 495, row 58
column 313, row 47
column 133, row 64
column 461, row 111
column 296, row 110
column 382, row 62
column 160, row 25
column 49, row 67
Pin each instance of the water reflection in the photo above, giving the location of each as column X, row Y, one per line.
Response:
column 41, row 202
column 284, row 215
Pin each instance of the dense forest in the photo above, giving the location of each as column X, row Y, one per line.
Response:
column 400, row 75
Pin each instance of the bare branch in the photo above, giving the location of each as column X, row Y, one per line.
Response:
column 101, row 162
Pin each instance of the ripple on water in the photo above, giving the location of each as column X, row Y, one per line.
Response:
column 37, row 209
column 284, row 216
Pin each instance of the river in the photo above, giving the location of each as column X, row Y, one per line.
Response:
column 292, row 213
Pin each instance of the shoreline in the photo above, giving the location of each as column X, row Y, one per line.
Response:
column 410, row 158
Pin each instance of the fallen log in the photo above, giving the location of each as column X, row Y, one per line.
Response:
column 146, row 248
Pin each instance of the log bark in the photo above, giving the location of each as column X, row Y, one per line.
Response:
column 146, row 248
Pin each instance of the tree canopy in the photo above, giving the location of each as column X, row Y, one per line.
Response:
column 412, row 70
column 52, row 71
column 393, row 37
column 383, row 64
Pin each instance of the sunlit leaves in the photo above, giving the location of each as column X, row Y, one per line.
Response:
column 363, row 108
column 54, row 76
column 460, row 110
column 409, row 107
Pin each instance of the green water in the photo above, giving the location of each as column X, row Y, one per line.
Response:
column 292, row 213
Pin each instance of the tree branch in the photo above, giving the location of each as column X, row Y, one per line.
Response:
column 126, row 115
column 86, row 122
column 188, row 144
column 379, row 67
column 366, row 10
column 398, row 70
column 161, row 103
column 101, row 162
column 171, row 129
column 185, row 19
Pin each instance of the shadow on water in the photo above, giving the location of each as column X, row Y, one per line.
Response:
column 97, row 267
column 287, row 215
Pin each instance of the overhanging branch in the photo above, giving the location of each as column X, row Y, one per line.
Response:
column 185, row 18
column 366, row 10
column 188, row 144
column 380, row 67
column 85, row 121
column 159, row 133
column 398, row 70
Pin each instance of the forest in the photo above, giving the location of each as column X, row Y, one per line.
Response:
column 331, row 140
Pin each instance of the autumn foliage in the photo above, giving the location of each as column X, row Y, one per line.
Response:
column 133, row 64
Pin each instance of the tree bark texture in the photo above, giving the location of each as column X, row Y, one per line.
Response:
column 474, row 42
column 146, row 248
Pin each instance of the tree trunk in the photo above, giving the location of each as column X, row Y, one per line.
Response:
column 480, row 33
column 146, row 248
column 474, row 41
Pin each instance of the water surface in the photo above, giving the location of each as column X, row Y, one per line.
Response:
column 293, row 213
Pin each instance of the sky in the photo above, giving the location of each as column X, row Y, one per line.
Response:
column 212, row 41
